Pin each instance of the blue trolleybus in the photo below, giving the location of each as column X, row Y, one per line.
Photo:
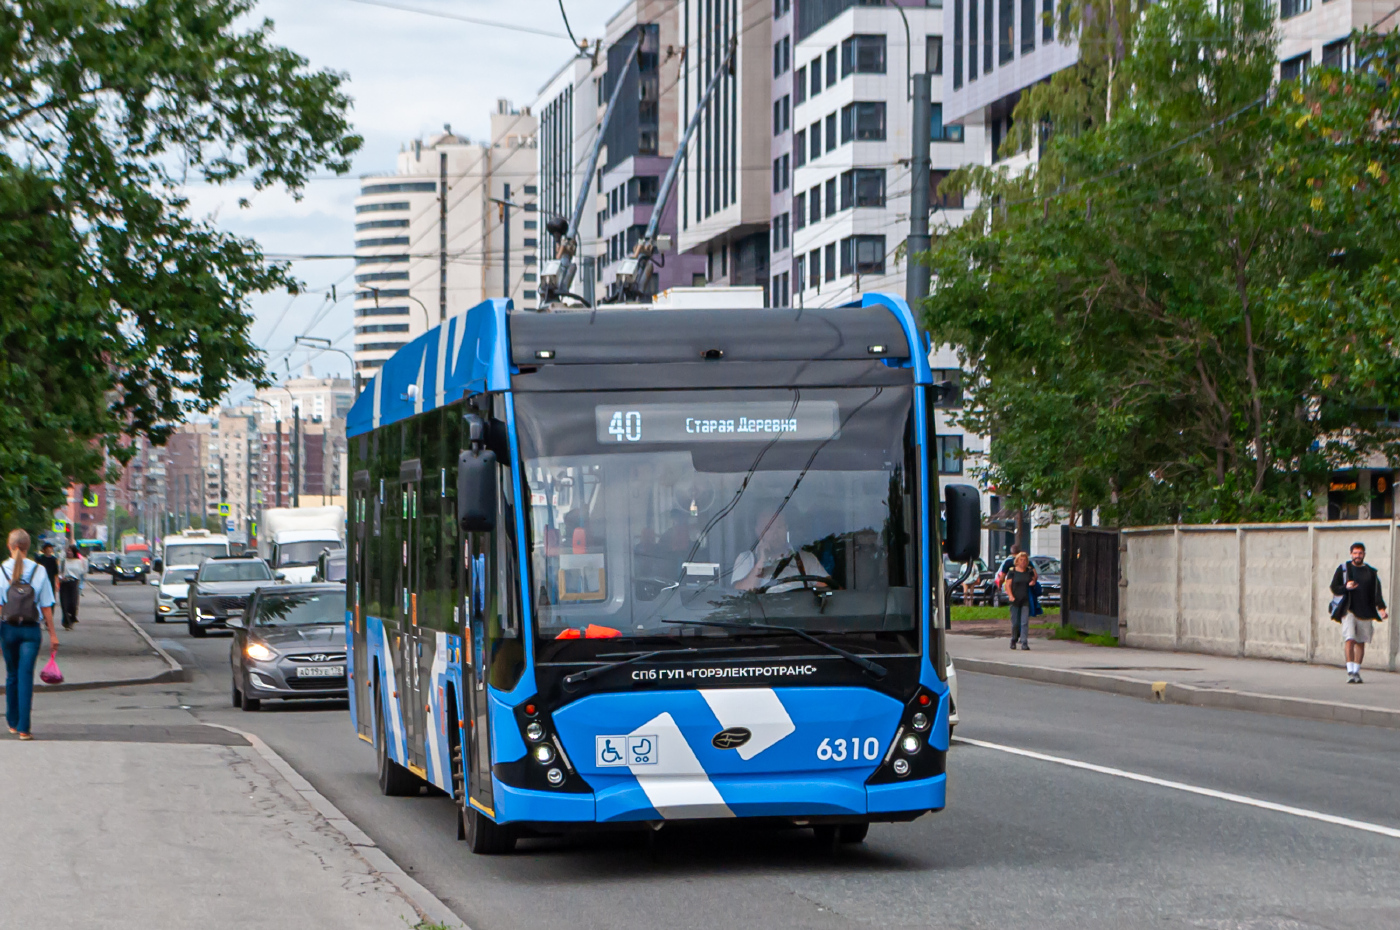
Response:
column 616, row 567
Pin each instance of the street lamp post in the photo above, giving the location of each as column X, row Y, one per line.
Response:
column 427, row 318
column 320, row 342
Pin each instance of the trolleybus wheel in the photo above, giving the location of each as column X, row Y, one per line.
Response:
column 484, row 836
column 395, row 781
column 854, row 832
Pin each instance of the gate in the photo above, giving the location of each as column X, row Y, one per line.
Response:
column 1089, row 579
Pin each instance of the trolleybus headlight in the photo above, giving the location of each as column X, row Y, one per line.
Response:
column 534, row 731
column 919, row 722
column 910, row 744
column 555, row 777
column 544, row 753
column 901, row 767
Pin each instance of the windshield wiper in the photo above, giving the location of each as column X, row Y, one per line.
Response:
column 597, row 670
column 874, row 668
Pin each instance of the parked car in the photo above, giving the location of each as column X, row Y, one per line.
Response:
column 222, row 588
column 289, row 645
column 131, row 566
column 952, row 571
column 331, row 566
column 101, row 562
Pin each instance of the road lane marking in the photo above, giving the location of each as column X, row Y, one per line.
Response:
column 1303, row 812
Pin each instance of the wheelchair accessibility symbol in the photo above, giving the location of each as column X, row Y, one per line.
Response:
column 620, row 751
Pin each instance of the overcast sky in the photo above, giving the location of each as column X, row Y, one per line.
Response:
column 409, row 74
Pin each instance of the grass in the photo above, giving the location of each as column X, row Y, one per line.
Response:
column 964, row 612
column 1090, row 639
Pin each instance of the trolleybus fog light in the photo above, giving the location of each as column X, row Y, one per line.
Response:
column 544, row 753
column 919, row 721
column 556, row 777
column 910, row 744
column 901, row 767
column 534, row 731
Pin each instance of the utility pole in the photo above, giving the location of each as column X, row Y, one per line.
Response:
column 296, row 455
column 279, row 459
column 916, row 277
column 505, row 240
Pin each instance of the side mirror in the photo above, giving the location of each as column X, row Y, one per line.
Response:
column 234, row 623
column 963, row 518
column 189, row 579
column 158, row 566
column 280, row 576
column 476, row 491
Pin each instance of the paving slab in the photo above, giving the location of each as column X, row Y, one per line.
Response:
column 1288, row 688
column 158, row 828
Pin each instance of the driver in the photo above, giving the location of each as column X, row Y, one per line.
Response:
column 774, row 559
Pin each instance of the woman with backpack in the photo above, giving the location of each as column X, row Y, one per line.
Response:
column 25, row 597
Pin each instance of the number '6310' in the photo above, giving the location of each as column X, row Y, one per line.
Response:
column 855, row 748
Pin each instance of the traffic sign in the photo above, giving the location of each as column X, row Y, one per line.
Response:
column 224, row 510
column 60, row 526
column 90, row 498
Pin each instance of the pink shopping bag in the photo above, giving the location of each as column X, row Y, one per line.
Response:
column 51, row 674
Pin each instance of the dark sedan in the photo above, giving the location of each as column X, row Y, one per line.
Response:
column 221, row 590
column 101, row 562
column 290, row 645
column 130, row 566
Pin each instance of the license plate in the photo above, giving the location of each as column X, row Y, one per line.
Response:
column 322, row 671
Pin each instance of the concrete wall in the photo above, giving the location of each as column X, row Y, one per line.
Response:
column 1258, row 590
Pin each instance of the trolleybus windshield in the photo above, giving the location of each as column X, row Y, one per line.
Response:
column 651, row 511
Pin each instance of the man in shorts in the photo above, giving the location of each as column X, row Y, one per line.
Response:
column 1360, row 584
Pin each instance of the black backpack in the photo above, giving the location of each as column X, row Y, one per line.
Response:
column 20, row 605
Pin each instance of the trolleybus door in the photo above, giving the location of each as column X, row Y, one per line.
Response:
column 477, row 589
column 410, row 475
column 358, row 585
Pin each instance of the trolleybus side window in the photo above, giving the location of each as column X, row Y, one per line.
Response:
column 506, row 656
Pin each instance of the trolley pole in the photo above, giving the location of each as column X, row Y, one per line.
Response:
column 916, row 278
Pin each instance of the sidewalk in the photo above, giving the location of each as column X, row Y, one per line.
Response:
column 103, row 650
column 135, row 826
column 1287, row 688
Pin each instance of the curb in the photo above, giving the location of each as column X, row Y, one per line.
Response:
column 1169, row 692
column 174, row 671
column 427, row 904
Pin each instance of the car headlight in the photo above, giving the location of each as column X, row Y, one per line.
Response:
column 258, row 651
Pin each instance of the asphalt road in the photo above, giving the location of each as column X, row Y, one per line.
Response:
column 1024, row 843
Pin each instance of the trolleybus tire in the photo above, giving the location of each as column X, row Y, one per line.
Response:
column 395, row 781
column 484, row 836
column 854, row 832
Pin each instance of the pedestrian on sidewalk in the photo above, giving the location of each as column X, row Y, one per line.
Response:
column 1360, row 606
column 25, row 597
column 1019, row 578
column 50, row 563
column 71, row 577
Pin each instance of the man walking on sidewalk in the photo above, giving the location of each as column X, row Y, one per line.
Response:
column 1360, row 585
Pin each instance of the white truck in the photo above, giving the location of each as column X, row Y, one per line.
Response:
column 291, row 539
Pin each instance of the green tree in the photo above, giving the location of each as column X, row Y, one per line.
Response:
column 122, row 313
column 1151, row 313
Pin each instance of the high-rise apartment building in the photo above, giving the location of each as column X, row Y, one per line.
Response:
column 431, row 240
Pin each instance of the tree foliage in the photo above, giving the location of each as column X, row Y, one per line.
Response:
column 121, row 313
column 1187, row 311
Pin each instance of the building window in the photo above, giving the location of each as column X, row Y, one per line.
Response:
column 785, row 224
column 401, row 187
column 529, row 295
column 863, row 255
column 814, row 262
column 1287, row 9
column 777, row 117
column 987, row 31
column 863, row 121
column 799, row 211
column 787, row 112
column 1006, row 49
column 531, row 243
column 863, row 187
column 381, row 207
column 1047, row 22
column 531, row 224
column 955, row 376
column 1294, row 68
column 814, row 201
column 1027, row 26
column 958, row 43
column 1334, row 55
column 382, row 328
column 972, row 40
column 948, row 201
column 381, row 311
column 777, row 177
column 830, row 262
column 816, row 71
column 530, row 277
column 831, row 132
column 831, row 66
column 816, row 135
column 388, row 240
column 777, row 58
column 933, row 54
column 799, row 274
column 531, row 189
column 799, row 148
column 830, row 196
column 863, row 54
column 950, row 455
column 799, row 85
column 938, row 132
column 381, row 224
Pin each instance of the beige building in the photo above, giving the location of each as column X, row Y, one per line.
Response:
column 430, row 239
